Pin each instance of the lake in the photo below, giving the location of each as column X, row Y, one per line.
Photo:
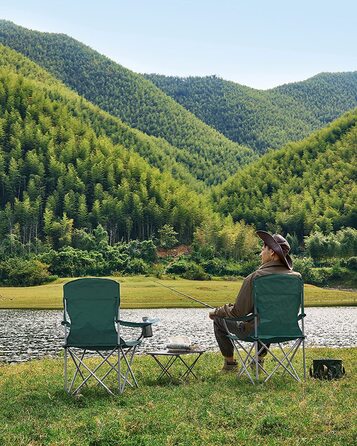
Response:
column 31, row 334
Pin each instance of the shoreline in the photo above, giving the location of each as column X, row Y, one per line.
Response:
column 146, row 293
column 340, row 288
column 59, row 356
column 344, row 304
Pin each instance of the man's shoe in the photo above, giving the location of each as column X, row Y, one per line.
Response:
column 229, row 366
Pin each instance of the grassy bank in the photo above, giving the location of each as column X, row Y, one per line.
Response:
column 217, row 409
column 145, row 292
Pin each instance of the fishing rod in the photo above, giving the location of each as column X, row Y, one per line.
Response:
column 183, row 294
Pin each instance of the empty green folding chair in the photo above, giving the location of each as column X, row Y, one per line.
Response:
column 92, row 324
column 278, row 319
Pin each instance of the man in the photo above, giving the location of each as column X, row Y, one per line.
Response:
column 275, row 260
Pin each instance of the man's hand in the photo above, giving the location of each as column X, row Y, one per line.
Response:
column 212, row 315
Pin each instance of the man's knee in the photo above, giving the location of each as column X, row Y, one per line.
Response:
column 218, row 324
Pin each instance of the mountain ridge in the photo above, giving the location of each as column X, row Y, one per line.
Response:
column 303, row 187
column 131, row 97
column 59, row 173
column 145, row 145
column 263, row 119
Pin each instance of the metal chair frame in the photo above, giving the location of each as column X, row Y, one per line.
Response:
column 252, row 353
column 122, row 352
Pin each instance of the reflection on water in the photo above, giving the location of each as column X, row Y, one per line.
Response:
column 28, row 334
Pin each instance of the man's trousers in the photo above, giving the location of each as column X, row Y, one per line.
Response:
column 224, row 343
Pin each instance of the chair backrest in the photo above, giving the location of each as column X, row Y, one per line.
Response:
column 277, row 300
column 92, row 306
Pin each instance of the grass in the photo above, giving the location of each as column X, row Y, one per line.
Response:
column 217, row 409
column 145, row 292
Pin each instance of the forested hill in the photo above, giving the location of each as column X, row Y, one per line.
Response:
column 305, row 186
column 326, row 95
column 264, row 119
column 59, row 171
column 208, row 155
column 156, row 151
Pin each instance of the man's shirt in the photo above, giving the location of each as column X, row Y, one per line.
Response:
column 244, row 302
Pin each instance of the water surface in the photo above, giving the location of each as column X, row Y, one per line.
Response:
column 30, row 334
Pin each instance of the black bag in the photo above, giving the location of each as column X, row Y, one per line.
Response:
column 327, row 369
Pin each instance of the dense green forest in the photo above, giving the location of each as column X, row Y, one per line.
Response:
column 305, row 186
column 156, row 151
column 84, row 192
column 264, row 119
column 208, row 155
column 318, row 183
column 57, row 174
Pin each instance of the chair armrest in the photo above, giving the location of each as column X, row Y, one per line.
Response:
column 66, row 323
column 301, row 316
column 250, row 317
column 138, row 324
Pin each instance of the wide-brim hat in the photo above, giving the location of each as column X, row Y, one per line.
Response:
column 279, row 245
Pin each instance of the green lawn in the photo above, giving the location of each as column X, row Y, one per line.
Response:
column 145, row 292
column 218, row 409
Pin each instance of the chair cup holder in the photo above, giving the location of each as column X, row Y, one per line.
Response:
column 147, row 331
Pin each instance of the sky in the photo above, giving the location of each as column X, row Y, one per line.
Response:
column 259, row 43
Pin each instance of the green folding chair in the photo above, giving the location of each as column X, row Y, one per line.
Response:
column 92, row 324
column 278, row 319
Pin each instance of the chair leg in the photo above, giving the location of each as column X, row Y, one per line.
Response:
column 119, row 375
column 65, row 370
column 256, row 361
column 78, row 368
column 290, row 360
column 92, row 373
column 243, row 361
column 81, row 367
column 304, row 358
column 251, row 358
column 285, row 362
column 129, row 369
column 123, row 378
column 112, row 367
column 292, row 351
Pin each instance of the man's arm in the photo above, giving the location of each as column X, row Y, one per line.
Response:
column 243, row 304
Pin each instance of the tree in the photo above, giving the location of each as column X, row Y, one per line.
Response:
column 167, row 237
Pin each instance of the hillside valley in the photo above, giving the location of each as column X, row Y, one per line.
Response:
column 207, row 154
column 77, row 152
column 304, row 187
column 264, row 119
column 59, row 169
